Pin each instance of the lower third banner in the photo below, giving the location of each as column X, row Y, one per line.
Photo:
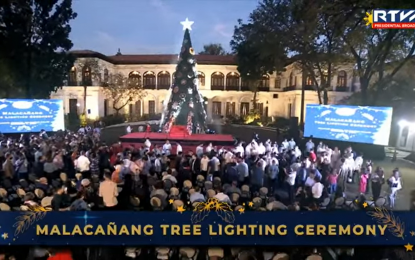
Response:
column 212, row 227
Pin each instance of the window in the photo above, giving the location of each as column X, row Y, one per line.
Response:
column 342, row 79
column 216, row 108
column 264, row 82
column 86, row 76
column 309, row 80
column 72, row 77
column 149, row 80
column 244, row 109
column 260, row 108
column 73, row 106
column 138, row 108
column 217, row 81
column 232, row 81
column 277, row 82
column 230, row 108
column 134, row 78
column 106, row 102
column 163, row 80
column 291, row 80
column 151, row 107
column 130, row 109
column 106, row 75
column 201, row 77
column 289, row 110
column 244, row 85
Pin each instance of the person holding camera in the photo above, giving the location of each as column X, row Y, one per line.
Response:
column 395, row 184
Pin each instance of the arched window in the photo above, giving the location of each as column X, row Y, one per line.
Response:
column 244, row 85
column 149, row 80
column 264, row 84
column 217, row 81
column 232, row 81
column 342, row 79
column 201, row 78
column 134, row 78
column 309, row 80
column 163, row 80
column 277, row 82
column 291, row 80
column 106, row 75
column 72, row 77
column 86, row 76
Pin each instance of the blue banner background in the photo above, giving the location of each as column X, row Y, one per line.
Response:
column 291, row 219
column 31, row 115
column 349, row 123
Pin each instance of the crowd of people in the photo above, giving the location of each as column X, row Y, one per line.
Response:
column 77, row 171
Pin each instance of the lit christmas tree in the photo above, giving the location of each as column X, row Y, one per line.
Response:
column 185, row 106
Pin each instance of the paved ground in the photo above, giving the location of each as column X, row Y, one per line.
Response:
column 407, row 171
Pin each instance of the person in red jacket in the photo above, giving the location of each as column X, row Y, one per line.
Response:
column 62, row 255
column 148, row 128
column 312, row 156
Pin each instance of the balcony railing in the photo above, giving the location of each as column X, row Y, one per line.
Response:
column 341, row 89
column 263, row 89
column 149, row 87
column 232, row 88
column 245, row 88
column 163, row 86
column 217, row 87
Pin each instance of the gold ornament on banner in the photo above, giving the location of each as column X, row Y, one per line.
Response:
column 28, row 218
column 192, row 51
column 202, row 210
column 383, row 216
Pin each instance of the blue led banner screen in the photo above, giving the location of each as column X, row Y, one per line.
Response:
column 31, row 115
column 357, row 124
column 169, row 228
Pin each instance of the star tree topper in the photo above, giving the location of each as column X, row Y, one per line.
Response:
column 187, row 24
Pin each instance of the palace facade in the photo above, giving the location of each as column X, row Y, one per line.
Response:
column 220, row 84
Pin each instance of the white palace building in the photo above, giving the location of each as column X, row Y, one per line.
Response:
column 219, row 83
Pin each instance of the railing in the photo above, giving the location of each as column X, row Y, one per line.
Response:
column 232, row 88
column 217, row 88
column 149, row 87
column 163, row 86
column 263, row 89
column 342, row 89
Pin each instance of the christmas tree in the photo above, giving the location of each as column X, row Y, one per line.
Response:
column 185, row 106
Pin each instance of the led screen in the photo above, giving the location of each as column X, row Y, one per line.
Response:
column 369, row 125
column 31, row 115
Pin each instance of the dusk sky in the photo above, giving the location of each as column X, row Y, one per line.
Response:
column 153, row 26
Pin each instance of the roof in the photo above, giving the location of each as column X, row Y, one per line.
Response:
column 154, row 58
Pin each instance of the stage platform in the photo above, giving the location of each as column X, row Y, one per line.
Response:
column 179, row 135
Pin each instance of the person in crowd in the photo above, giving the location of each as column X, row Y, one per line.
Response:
column 395, row 185
column 377, row 180
column 364, row 179
column 108, row 190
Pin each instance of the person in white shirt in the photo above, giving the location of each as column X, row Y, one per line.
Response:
column 395, row 185
column 290, row 182
column 285, row 144
column 309, row 182
column 309, row 145
column 204, row 165
column 215, row 164
column 82, row 165
column 199, row 150
column 128, row 129
column 291, row 144
column 222, row 197
column 170, row 177
column 179, row 149
column 209, row 148
column 261, row 149
column 317, row 190
column 167, row 148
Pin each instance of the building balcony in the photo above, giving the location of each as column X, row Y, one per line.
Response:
column 265, row 89
column 151, row 87
column 163, row 86
column 290, row 88
column 342, row 89
column 245, row 88
column 232, row 88
column 73, row 83
column 221, row 88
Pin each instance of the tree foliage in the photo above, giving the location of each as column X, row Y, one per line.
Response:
column 122, row 90
column 320, row 36
column 213, row 49
column 34, row 45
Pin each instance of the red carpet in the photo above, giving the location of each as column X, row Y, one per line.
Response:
column 178, row 134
